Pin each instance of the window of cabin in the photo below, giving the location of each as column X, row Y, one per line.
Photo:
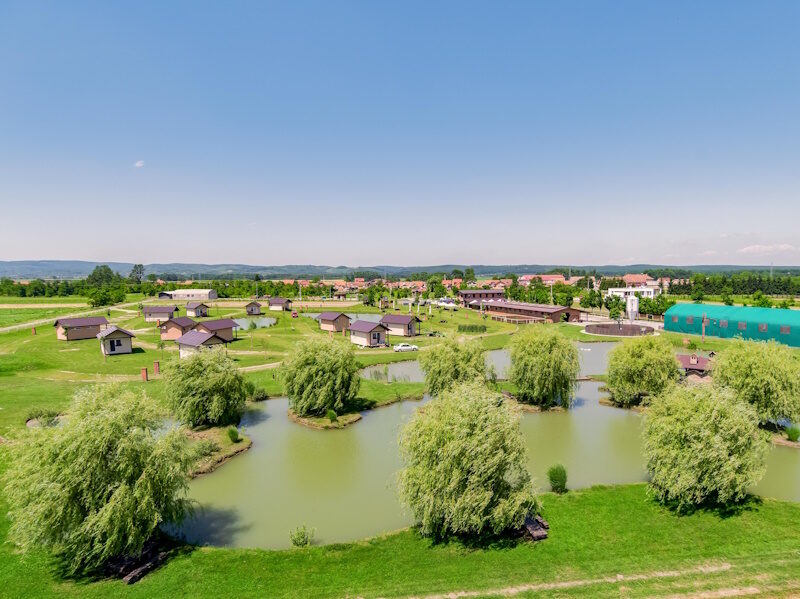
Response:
column 690, row 320
column 785, row 330
column 762, row 328
column 723, row 324
column 674, row 319
column 742, row 325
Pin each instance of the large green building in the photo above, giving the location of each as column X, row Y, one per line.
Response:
column 761, row 324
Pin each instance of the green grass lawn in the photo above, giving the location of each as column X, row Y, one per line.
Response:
column 69, row 299
column 598, row 537
column 9, row 316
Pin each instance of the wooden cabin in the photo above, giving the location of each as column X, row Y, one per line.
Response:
column 114, row 341
column 73, row 329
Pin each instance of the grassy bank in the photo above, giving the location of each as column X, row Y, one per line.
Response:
column 604, row 542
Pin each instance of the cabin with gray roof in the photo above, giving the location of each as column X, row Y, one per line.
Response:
column 175, row 327
column 404, row 325
column 224, row 328
column 368, row 334
column 253, row 309
column 114, row 341
column 159, row 313
column 196, row 309
column 334, row 322
column 279, row 304
column 73, row 329
column 195, row 341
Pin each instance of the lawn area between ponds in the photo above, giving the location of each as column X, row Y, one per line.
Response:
column 604, row 542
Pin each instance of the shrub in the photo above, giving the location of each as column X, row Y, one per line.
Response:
column 99, row 486
column 472, row 328
column 301, row 536
column 451, row 362
column 259, row 394
column 765, row 375
column 331, row 414
column 206, row 388
column 544, row 367
column 233, row 434
column 558, row 478
column 321, row 375
column 465, row 465
column 44, row 416
column 205, row 448
column 702, row 444
column 640, row 369
column 793, row 433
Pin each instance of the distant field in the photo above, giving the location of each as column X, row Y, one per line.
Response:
column 70, row 299
column 10, row 316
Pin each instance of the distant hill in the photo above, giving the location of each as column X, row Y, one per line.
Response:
column 72, row 269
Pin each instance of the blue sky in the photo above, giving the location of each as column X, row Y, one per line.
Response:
column 401, row 133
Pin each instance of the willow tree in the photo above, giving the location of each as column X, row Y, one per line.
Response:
column 465, row 465
column 206, row 388
column 544, row 367
column 320, row 375
column 702, row 444
column 451, row 362
column 639, row 369
column 765, row 375
column 99, row 486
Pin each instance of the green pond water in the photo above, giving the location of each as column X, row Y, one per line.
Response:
column 341, row 482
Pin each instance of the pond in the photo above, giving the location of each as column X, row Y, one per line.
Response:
column 341, row 482
column 593, row 358
column 261, row 323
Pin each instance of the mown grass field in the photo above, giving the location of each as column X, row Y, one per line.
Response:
column 604, row 542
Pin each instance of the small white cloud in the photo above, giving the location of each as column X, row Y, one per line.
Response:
column 138, row 164
column 775, row 248
column 709, row 253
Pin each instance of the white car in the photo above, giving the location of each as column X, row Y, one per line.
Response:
column 405, row 347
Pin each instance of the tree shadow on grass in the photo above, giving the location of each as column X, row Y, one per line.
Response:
column 358, row 404
column 723, row 511
column 507, row 540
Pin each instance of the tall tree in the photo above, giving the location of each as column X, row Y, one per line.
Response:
column 640, row 369
column 137, row 273
column 544, row 367
column 452, row 362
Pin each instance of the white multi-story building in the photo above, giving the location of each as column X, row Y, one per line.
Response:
column 626, row 292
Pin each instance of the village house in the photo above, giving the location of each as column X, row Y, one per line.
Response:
column 367, row 333
column 115, row 340
column 253, row 309
column 224, row 328
column 176, row 327
column 473, row 297
column 639, row 279
column 626, row 292
column 522, row 312
column 189, row 294
column 73, row 329
column 195, row 341
column 158, row 313
column 526, row 280
column 404, row 325
column 694, row 364
column 278, row 304
column 335, row 322
column 196, row 309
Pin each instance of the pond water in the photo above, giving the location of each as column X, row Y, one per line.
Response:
column 261, row 323
column 593, row 357
column 341, row 482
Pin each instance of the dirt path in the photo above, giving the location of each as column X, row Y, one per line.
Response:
column 258, row 367
column 512, row 591
column 93, row 311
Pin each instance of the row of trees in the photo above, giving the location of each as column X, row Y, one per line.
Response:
column 737, row 284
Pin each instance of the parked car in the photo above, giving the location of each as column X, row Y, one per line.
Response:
column 405, row 347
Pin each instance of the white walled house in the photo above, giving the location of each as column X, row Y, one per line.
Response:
column 368, row 334
column 625, row 292
column 404, row 325
column 196, row 309
column 114, row 341
column 195, row 341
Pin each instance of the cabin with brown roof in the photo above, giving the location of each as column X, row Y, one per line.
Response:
column 473, row 297
column 253, row 309
column 195, row 341
column 114, row 341
column 73, row 329
column 224, row 328
column 404, row 325
column 278, row 304
column 176, row 327
column 335, row 322
column 368, row 334
column 196, row 309
column 159, row 313
column 694, row 364
column 524, row 311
